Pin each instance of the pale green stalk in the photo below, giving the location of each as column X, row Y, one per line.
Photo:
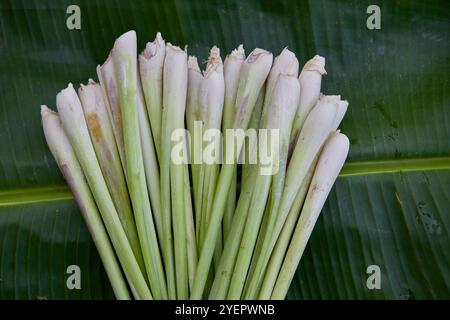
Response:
column 65, row 158
column 172, row 174
column 107, row 81
column 341, row 110
column 320, row 122
column 192, row 114
column 211, row 98
column 231, row 69
column 191, row 241
column 278, row 114
column 232, row 241
column 315, row 130
column 310, row 81
column 195, row 79
column 224, row 270
column 285, row 64
column 125, row 67
column 102, row 138
column 250, row 151
column 330, row 163
column 74, row 124
column 261, row 233
column 193, row 117
column 230, row 207
column 253, row 74
column 151, row 167
column 232, row 237
column 151, row 63
column 279, row 251
column 106, row 72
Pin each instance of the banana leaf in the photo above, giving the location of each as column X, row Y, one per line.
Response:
column 390, row 206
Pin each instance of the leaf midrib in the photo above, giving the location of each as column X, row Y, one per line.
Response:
column 41, row 194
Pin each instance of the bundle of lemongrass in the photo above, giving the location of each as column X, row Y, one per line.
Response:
column 169, row 229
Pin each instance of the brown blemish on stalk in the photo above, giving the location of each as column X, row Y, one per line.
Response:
column 115, row 107
column 94, row 125
column 317, row 188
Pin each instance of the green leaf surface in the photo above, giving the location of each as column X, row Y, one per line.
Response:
column 390, row 207
column 37, row 244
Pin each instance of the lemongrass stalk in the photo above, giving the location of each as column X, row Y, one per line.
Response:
column 278, row 115
column 107, row 81
column 231, row 68
column 279, row 251
column 106, row 76
column 259, row 260
column 191, row 241
column 172, row 174
column 195, row 79
column 65, row 158
column 211, row 98
column 230, row 207
column 251, row 79
column 310, row 81
column 151, row 63
column 317, row 126
column 232, row 238
column 151, row 167
column 74, row 124
column 341, row 111
column 251, row 148
column 285, row 64
column 282, row 243
column 225, row 268
column 125, row 67
column 319, row 123
column 102, row 138
column 261, row 233
column 179, row 230
column 330, row 163
column 193, row 114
